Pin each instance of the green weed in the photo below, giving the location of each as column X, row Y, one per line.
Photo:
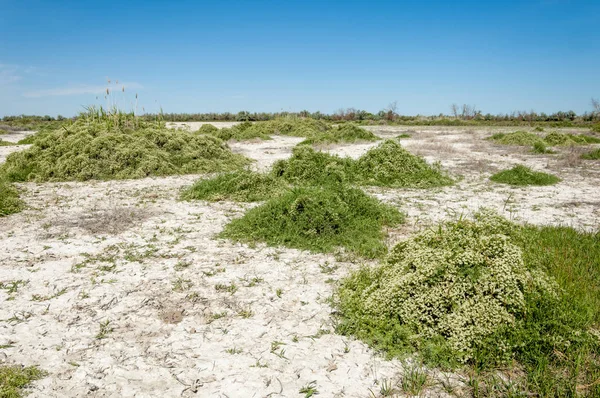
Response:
column 592, row 155
column 522, row 175
column 14, row 379
column 318, row 219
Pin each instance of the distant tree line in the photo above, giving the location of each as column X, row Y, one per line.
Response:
column 459, row 115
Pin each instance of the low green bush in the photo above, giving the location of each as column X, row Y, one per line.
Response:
column 516, row 138
column 319, row 219
column 540, row 147
column 523, row 175
column 486, row 295
column 387, row 164
column 6, row 143
column 241, row 186
column 104, row 149
column 390, row 165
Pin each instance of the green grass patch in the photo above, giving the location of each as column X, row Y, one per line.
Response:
column 516, row 138
column 240, row 132
column 541, row 148
column 486, row 295
column 345, row 133
column 14, row 379
column 558, row 139
column 524, row 138
column 592, row 155
column 103, row 148
column 403, row 135
column 320, row 219
column 9, row 198
column 6, row 143
column 387, row 164
column 240, row 186
column 523, row 175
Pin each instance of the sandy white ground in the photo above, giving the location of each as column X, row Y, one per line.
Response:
column 130, row 254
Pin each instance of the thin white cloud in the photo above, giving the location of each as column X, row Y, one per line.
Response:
column 80, row 90
column 9, row 74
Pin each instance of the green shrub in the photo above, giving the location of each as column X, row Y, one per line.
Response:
column 348, row 132
column 98, row 149
column 240, row 132
column 592, row 155
column 540, row 147
column 487, row 294
column 13, row 379
column 207, row 129
column 523, row 175
column 241, row 186
column 390, row 165
column 314, row 167
column 453, row 288
column 9, row 198
column 516, row 138
column 538, row 128
column 319, row 219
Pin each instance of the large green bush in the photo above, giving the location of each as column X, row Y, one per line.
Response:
column 98, row 149
column 320, row 219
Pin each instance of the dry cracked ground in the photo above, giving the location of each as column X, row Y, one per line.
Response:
column 118, row 289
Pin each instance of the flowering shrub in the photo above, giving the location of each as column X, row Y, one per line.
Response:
column 460, row 285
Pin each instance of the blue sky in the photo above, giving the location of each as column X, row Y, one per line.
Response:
column 204, row 56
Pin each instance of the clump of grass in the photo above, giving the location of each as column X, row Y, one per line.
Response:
column 6, row 143
column 516, row 138
column 313, row 167
column 14, row 379
column 241, row 132
column 319, row 219
column 9, row 198
column 207, row 129
column 390, row 165
column 538, row 128
column 403, row 135
column 540, row 147
column 592, row 155
column 558, row 139
column 442, row 295
column 523, row 175
column 241, row 186
column 346, row 133
column 102, row 148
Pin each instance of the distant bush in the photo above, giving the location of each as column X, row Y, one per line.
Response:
column 558, row 139
column 102, row 148
column 523, row 175
column 552, row 139
column 319, row 219
column 241, row 186
column 538, row 128
column 516, row 138
column 347, row 132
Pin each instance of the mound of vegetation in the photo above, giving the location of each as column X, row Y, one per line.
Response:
column 240, row 132
column 390, row 165
column 319, row 219
column 241, row 186
column 345, row 133
column 592, row 155
column 516, row 138
column 6, row 143
column 13, row 379
column 523, row 175
column 559, row 139
column 314, row 167
column 486, row 294
column 104, row 149
column 9, row 198
column 540, row 147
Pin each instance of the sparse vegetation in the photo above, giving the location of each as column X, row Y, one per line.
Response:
column 6, row 143
column 102, row 147
column 14, row 379
column 592, row 155
column 442, row 295
column 523, row 175
column 241, row 186
column 552, row 139
column 9, row 198
column 320, row 219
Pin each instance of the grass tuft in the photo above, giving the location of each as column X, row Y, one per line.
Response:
column 319, row 219
column 14, row 379
column 241, row 186
column 522, row 175
column 592, row 155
